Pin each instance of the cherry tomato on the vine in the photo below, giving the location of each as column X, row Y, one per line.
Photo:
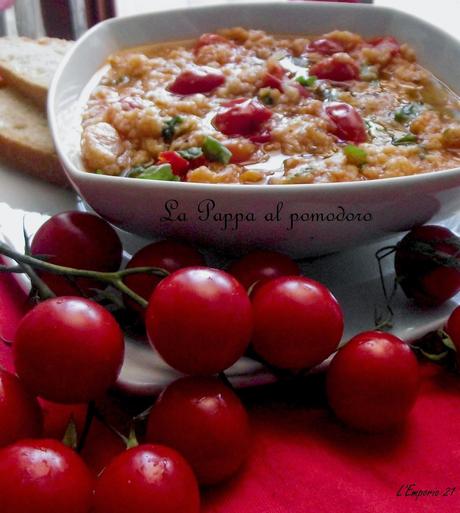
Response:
column 297, row 322
column 204, row 420
column 57, row 416
column 373, row 381
column 199, row 320
column 259, row 266
column 147, row 479
column 166, row 254
column 43, row 476
column 80, row 240
column 68, row 349
column 427, row 264
column 20, row 414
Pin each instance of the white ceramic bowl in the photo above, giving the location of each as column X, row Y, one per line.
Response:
column 335, row 215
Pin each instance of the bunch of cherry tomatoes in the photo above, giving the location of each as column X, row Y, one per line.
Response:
column 69, row 349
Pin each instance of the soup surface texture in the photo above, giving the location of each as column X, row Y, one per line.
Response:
column 244, row 106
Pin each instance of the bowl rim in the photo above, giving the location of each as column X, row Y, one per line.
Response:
column 79, row 175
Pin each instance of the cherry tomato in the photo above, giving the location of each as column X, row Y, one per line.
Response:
column 242, row 117
column 20, row 414
column 101, row 446
column 166, row 254
column 373, row 381
column 68, row 350
column 179, row 165
column 349, row 125
column 297, row 322
column 197, row 80
column 336, row 68
column 80, row 240
column 325, row 46
column 199, row 320
column 426, row 264
column 56, row 418
column 43, row 476
column 260, row 266
column 147, row 479
column 205, row 421
column 210, row 39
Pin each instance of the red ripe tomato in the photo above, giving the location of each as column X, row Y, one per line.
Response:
column 199, row 320
column 210, row 39
column 43, row 476
column 387, row 43
column 197, row 80
column 80, row 240
column 349, row 125
column 260, row 266
column 179, row 165
column 166, row 254
column 426, row 264
column 147, row 479
column 336, row 68
column 325, row 46
column 68, row 350
column 242, row 117
column 204, row 420
column 297, row 322
column 56, row 418
column 373, row 381
column 102, row 445
column 20, row 414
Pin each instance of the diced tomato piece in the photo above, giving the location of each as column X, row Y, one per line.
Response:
column 274, row 78
column 244, row 118
column 325, row 46
column 304, row 91
column 349, row 125
column 262, row 137
column 336, row 67
column 386, row 43
column 179, row 165
column 210, row 39
column 197, row 80
column 199, row 161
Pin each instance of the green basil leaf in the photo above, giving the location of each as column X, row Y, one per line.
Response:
column 404, row 140
column 169, row 128
column 355, row 155
column 307, row 81
column 161, row 172
column 215, row 150
column 191, row 153
column 407, row 111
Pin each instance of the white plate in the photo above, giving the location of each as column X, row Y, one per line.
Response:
column 351, row 275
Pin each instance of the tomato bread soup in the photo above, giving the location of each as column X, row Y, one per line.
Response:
column 244, row 106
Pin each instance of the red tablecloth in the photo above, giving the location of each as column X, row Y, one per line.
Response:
column 304, row 461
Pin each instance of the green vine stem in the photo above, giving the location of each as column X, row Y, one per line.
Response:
column 27, row 264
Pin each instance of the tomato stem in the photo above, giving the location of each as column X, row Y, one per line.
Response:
column 28, row 263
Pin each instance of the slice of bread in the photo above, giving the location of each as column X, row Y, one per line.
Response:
column 28, row 65
column 25, row 141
